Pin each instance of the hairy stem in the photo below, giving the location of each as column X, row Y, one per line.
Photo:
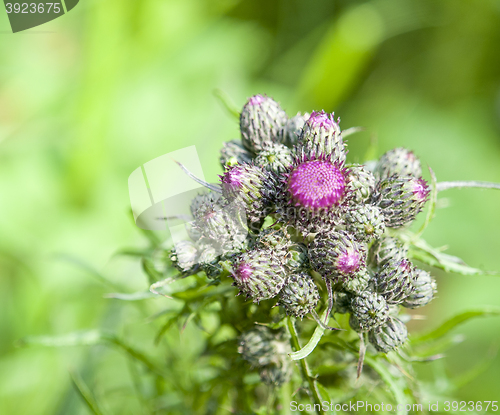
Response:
column 304, row 368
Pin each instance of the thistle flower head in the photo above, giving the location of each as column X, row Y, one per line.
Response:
column 184, row 256
column 258, row 275
column 368, row 311
column 399, row 161
column 293, row 129
column 233, row 152
column 360, row 183
column 244, row 184
column 389, row 336
column 274, row 157
column 317, row 183
column 401, row 199
column 322, row 135
column 395, row 281
column 299, row 295
column 425, row 290
column 261, row 121
column 385, row 249
column 337, row 255
column 365, row 222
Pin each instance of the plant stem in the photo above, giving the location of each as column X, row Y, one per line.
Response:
column 304, row 367
column 458, row 184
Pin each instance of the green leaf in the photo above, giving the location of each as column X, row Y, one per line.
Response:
column 141, row 295
column 87, row 395
column 227, row 103
column 80, row 338
column 391, row 383
column 454, row 321
column 423, row 252
column 311, row 345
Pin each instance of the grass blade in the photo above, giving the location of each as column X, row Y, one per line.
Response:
column 86, row 394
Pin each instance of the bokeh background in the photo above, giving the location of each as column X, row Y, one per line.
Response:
column 91, row 96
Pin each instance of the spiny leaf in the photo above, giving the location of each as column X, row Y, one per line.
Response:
column 454, row 321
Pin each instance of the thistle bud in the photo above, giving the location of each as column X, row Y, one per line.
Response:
column 267, row 350
column 365, row 222
column 425, row 290
column 297, row 258
column 233, row 152
column 293, row 129
column 399, row 161
column 218, row 220
column 395, row 281
column 299, row 295
column 256, row 346
column 184, row 256
column 360, row 183
column 259, row 275
column 261, row 121
column 243, row 184
column 368, row 311
column 274, row 157
column 385, row 249
column 401, row 199
column 389, row 336
column 337, row 255
column 321, row 136
column 209, row 260
column 357, row 283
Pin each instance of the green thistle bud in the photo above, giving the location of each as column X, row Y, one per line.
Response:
column 272, row 239
column 399, row 161
column 209, row 260
column 299, row 295
column 385, row 249
column 321, row 136
column 274, row 157
column 267, row 350
column 256, row 346
column 365, row 222
column 395, row 281
column 360, row 184
column 243, row 184
column 368, row 311
column 357, row 283
column 297, row 258
column 233, row 152
column 259, row 275
column 389, row 336
column 425, row 290
column 293, row 129
column 337, row 255
column 184, row 257
column 401, row 199
column 218, row 220
column 261, row 121
column 277, row 374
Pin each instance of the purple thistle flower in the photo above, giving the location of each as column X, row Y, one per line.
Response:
column 256, row 100
column 349, row 262
column 322, row 120
column 317, row 184
column 421, row 190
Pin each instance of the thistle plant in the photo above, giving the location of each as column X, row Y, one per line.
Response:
column 327, row 264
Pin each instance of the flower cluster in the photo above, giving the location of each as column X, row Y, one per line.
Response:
column 291, row 215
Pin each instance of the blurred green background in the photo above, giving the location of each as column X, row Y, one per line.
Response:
column 91, row 96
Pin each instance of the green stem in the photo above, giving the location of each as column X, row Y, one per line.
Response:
column 459, row 184
column 304, row 367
